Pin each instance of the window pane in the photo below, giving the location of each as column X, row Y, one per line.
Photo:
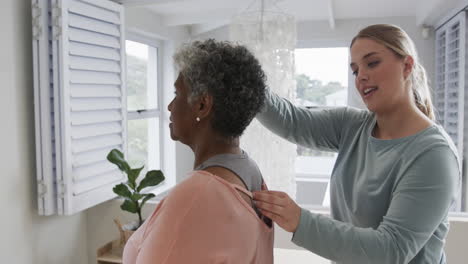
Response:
column 143, row 144
column 141, row 76
column 321, row 81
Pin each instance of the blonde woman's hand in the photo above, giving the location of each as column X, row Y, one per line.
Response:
column 279, row 207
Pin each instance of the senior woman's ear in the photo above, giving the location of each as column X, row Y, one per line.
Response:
column 203, row 106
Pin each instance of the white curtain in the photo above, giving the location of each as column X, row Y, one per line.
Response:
column 271, row 36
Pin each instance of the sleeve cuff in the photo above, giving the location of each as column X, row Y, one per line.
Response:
column 300, row 235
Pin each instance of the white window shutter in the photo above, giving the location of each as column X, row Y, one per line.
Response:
column 89, row 100
column 43, row 108
column 449, row 94
column 450, row 78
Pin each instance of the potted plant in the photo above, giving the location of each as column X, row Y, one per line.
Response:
column 131, row 190
column 134, row 199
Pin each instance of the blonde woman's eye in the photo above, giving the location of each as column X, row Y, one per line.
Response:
column 373, row 64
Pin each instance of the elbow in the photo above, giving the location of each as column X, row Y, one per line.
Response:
column 396, row 247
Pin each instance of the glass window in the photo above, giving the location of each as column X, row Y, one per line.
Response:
column 142, row 76
column 143, row 127
column 143, row 143
column 321, row 81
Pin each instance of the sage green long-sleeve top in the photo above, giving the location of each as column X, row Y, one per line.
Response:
column 389, row 198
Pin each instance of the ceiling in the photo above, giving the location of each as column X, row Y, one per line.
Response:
column 215, row 13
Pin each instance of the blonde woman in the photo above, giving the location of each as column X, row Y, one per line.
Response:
column 397, row 171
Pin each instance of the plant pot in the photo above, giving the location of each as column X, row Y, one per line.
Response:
column 126, row 230
column 112, row 251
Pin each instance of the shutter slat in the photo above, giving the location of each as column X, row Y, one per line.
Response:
column 92, row 117
column 111, row 178
column 91, row 24
column 94, row 12
column 87, row 50
column 91, row 104
column 96, row 130
column 90, row 77
column 93, row 38
column 94, row 156
column 96, row 169
column 87, row 144
column 89, row 90
column 92, row 64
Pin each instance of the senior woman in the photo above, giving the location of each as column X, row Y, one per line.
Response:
column 210, row 217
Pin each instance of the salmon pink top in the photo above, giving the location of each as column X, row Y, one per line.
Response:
column 204, row 219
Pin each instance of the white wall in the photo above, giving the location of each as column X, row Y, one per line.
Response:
column 26, row 237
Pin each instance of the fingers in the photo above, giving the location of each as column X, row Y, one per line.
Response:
column 272, row 204
column 270, row 207
column 274, row 217
column 273, row 197
column 276, row 193
column 279, row 207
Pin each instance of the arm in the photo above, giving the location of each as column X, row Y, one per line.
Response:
column 314, row 128
column 419, row 204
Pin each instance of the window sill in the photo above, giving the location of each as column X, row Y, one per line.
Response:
column 458, row 217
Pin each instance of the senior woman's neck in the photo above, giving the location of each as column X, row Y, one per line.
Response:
column 214, row 147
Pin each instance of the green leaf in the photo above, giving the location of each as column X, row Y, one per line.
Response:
column 130, row 206
column 132, row 185
column 136, row 196
column 147, row 197
column 122, row 190
column 116, row 157
column 133, row 175
column 152, row 178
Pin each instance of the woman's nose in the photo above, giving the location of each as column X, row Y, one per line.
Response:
column 169, row 106
column 362, row 76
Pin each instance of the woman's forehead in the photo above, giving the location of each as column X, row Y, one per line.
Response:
column 179, row 81
column 364, row 48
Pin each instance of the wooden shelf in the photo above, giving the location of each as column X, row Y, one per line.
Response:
column 110, row 253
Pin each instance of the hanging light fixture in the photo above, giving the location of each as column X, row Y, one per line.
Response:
column 271, row 35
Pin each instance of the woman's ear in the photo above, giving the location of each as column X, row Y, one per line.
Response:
column 203, row 106
column 408, row 66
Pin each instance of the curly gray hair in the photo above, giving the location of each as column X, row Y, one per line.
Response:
column 231, row 74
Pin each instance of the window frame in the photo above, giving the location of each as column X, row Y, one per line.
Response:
column 146, row 114
column 317, row 44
